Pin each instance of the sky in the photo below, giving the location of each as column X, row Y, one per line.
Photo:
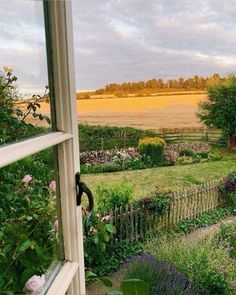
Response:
column 123, row 40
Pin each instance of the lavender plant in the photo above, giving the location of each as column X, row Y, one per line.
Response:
column 160, row 276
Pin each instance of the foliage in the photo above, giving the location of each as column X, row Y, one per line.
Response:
column 113, row 137
column 207, row 266
column 116, row 253
column 218, row 110
column 131, row 287
column 186, row 152
column 206, row 219
column 95, row 243
column 227, row 238
column 152, row 147
column 112, row 196
column 13, row 120
column 27, row 242
column 159, row 203
column 160, row 276
column 201, row 157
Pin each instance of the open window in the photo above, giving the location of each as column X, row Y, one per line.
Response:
column 59, row 148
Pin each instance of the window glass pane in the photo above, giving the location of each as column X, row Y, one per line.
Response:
column 29, row 238
column 24, row 97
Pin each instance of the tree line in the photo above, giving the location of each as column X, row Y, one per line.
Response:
column 142, row 88
column 193, row 83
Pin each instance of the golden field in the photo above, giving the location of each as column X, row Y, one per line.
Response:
column 151, row 112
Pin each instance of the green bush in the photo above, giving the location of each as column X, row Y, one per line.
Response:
column 28, row 244
column 152, row 147
column 106, row 167
column 111, row 196
column 184, row 160
column 90, row 137
column 208, row 266
column 227, row 238
column 104, row 263
column 186, row 152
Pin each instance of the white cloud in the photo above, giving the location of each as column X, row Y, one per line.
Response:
column 118, row 40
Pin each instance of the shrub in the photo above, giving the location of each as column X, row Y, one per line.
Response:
column 152, row 147
column 227, row 238
column 206, row 265
column 184, row 160
column 228, row 189
column 160, row 276
column 27, row 242
column 186, row 152
column 214, row 156
column 159, row 203
column 104, row 263
column 111, row 196
column 203, row 155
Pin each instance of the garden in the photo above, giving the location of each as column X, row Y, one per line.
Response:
column 155, row 194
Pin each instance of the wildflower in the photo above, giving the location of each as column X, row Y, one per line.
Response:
column 26, row 179
column 55, row 226
column 52, row 186
column 106, row 218
column 34, row 283
column 97, row 215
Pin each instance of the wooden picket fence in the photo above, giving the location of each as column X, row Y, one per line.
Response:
column 134, row 223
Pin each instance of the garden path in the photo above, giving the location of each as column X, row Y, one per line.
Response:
column 98, row 289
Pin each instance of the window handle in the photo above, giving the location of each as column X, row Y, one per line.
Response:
column 81, row 188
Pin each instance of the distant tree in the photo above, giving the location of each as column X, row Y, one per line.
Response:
column 218, row 111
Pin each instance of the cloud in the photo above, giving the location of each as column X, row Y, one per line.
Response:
column 123, row 40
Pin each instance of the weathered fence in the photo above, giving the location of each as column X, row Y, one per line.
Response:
column 134, row 222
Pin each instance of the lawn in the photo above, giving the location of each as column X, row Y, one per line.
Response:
column 165, row 178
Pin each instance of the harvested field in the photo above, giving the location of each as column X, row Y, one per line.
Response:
column 153, row 112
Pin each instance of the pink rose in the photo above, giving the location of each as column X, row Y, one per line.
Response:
column 26, row 179
column 34, row 283
column 52, row 186
column 106, row 218
column 55, row 226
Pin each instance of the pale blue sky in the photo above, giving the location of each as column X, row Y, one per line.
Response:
column 124, row 40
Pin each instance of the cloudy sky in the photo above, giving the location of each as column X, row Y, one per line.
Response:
column 124, row 40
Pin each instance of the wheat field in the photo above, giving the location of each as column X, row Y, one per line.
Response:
column 153, row 112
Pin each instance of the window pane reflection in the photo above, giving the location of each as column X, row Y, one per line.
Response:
column 29, row 236
column 24, row 97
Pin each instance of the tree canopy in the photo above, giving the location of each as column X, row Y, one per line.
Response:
column 219, row 110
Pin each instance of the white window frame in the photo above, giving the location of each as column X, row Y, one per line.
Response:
column 71, row 277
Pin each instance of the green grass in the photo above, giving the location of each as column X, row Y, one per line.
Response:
column 165, row 178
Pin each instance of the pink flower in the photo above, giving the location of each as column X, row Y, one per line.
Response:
column 26, row 179
column 52, row 186
column 106, row 218
column 34, row 283
column 55, row 226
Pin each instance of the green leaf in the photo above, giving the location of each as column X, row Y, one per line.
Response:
column 110, row 228
column 134, row 287
column 90, row 275
column 2, row 281
column 102, row 247
column 105, row 282
column 27, row 273
column 25, row 245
